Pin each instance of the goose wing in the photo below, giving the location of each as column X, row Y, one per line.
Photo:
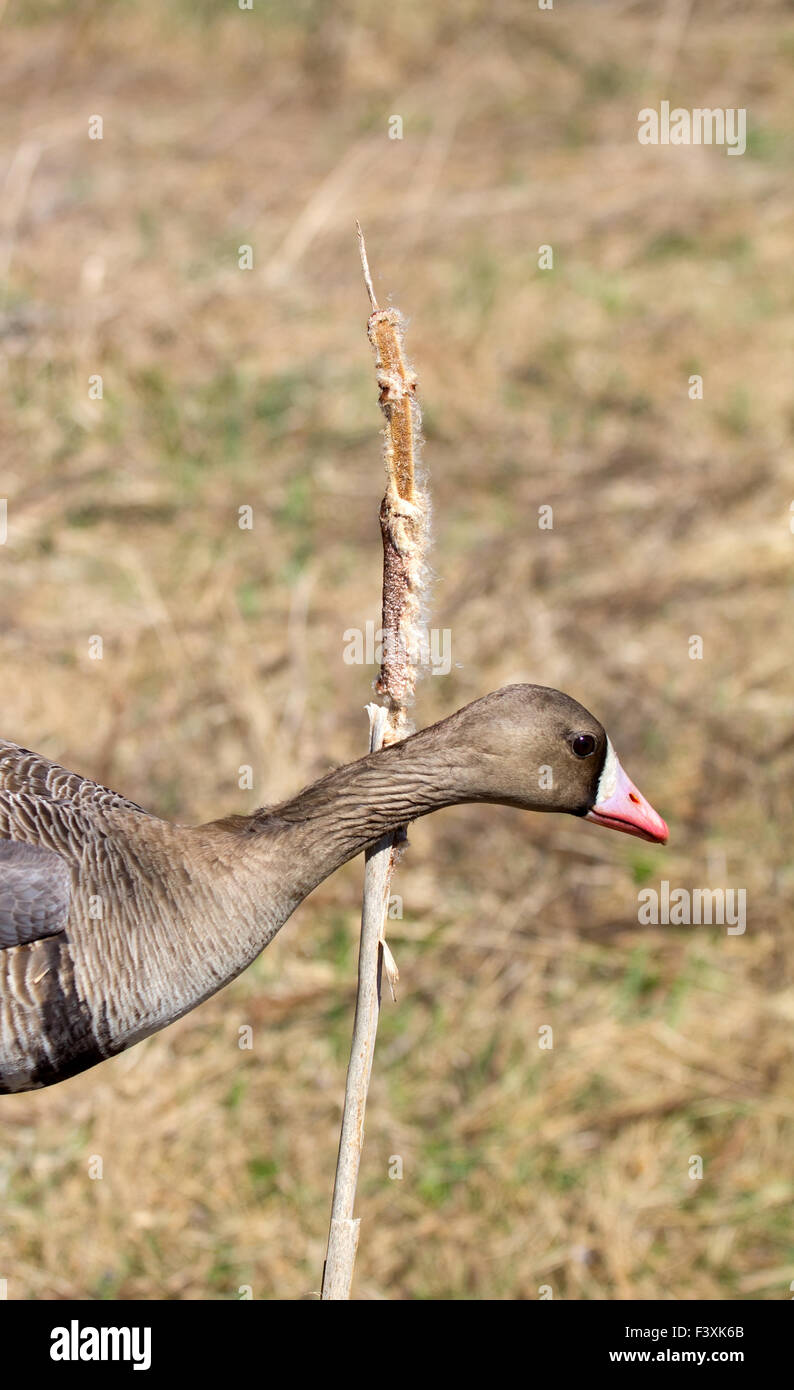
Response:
column 49, row 819
column 35, row 888
column 23, row 773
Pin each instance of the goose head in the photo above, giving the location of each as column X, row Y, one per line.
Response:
column 540, row 750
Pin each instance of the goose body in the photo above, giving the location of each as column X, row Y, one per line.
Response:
column 114, row 923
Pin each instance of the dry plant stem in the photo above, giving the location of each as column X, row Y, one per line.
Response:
column 403, row 519
column 343, row 1237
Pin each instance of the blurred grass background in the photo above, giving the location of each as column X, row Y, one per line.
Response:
column 569, row 387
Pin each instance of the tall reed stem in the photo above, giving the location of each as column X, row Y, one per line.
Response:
column 404, row 532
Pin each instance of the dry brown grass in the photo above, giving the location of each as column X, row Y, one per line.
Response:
column 224, row 647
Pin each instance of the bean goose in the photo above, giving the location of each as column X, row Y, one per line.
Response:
column 114, row 923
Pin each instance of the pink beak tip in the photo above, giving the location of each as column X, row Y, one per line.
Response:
column 627, row 810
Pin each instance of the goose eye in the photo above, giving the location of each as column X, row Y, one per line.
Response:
column 583, row 745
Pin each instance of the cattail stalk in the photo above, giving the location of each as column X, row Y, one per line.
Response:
column 404, row 532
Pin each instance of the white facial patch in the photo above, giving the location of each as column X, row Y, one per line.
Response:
column 608, row 780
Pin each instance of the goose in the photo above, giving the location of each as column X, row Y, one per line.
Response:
column 114, row 923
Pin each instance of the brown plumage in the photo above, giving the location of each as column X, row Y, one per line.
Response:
column 114, row 923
